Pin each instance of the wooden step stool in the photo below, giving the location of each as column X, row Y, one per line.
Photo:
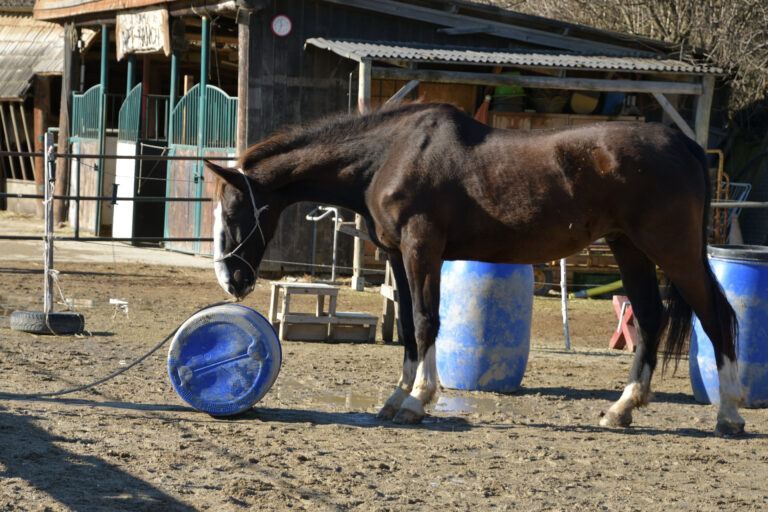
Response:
column 321, row 325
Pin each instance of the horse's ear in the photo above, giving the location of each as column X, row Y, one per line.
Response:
column 228, row 174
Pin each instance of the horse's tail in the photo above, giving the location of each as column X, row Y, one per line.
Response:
column 678, row 316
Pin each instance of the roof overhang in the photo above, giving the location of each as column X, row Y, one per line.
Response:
column 396, row 53
column 27, row 48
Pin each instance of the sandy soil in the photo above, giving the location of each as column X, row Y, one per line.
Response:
column 313, row 442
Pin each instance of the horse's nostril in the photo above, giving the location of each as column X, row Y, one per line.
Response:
column 236, row 275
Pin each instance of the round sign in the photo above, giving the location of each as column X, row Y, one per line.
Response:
column 281, row 25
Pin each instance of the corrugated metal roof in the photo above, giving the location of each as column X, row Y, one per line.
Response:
column 416, row 52
column 27, row 47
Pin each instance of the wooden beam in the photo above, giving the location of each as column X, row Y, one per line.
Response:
column 539, row 82
column 244, row 24
column 703, row 107
column 15, row 125
column 364, row 86
column 42, row 108
column 14, row 175
column 495, row 28
column 363, row 106
column 674, row 114
column 402, row 93
column 69, row 82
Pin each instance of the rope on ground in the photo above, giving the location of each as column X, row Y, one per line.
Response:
column 110, row 376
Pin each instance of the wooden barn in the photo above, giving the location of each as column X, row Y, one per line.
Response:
column 215, row 77
column 31, row 57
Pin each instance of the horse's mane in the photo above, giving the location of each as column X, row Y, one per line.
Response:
column 331, row 128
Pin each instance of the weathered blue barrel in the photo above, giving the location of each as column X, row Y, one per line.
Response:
column 742, row 271
column 485, row 325
column 224, row 359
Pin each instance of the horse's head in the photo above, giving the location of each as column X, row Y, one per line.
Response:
column 244, row 221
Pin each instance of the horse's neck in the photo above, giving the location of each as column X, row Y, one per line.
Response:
column 335, row 173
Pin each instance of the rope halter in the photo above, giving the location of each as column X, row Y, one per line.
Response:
column 256, row 213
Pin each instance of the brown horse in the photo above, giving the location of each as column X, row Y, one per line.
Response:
column 434, row 184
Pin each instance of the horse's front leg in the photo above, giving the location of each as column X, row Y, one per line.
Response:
column 410, row 358
column 422, row 250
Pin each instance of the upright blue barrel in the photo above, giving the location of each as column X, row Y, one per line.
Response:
column 742, row 271
column 485, row 325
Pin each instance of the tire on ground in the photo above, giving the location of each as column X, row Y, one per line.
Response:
column 57, row 323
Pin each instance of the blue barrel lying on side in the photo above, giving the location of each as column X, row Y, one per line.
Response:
column 224, row 359
column 742, row 271
column 485, row 325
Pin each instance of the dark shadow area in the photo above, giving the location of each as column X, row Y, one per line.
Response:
column 77, row 482
column 351, row 419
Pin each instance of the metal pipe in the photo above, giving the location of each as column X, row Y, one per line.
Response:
column 564, row 299
column 50, row 179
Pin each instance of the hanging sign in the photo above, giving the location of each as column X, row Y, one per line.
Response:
column 143, row 32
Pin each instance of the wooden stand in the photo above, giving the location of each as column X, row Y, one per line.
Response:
column 321, row 325
column 626, row 333
column 390, row 314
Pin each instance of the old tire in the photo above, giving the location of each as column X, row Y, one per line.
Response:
column 57, row 323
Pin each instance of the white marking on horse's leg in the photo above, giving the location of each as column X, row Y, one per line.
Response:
column 424, row 386
column 635, row 394
column 219, row 266
column 404, row 385
column 732, row 395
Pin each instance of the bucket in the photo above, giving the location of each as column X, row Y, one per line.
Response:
column 742, row 271
column 224, row 359
column 485, row 325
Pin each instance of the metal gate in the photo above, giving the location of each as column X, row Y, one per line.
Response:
column 198, row 126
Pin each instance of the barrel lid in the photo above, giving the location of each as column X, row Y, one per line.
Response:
column 738, row 252
column 224, row 359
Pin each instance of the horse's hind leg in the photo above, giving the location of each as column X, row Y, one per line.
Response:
column 410, row 358
column 699, row 288
column 639, row 278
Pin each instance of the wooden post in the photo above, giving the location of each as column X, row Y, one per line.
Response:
column 243, row 72
column 50, row 180
column 363, row 105
column 69, row 82
column 703, row 107
column 42, row 106
column 8, row 147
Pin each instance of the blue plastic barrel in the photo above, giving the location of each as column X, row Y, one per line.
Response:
column 485, row 325
column 742, row 271
column 224, row 359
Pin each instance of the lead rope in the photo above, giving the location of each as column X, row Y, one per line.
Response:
column 257, row 213
column 112, row 375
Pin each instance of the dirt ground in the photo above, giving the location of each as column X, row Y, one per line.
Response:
column 313, row 442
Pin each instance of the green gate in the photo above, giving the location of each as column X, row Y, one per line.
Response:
column 129, row 118
column 187, row 178
column 86, row 113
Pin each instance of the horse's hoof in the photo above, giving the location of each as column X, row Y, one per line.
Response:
column 727, row 428
column 611, row 419
column 386, row 413
column 406, row 417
